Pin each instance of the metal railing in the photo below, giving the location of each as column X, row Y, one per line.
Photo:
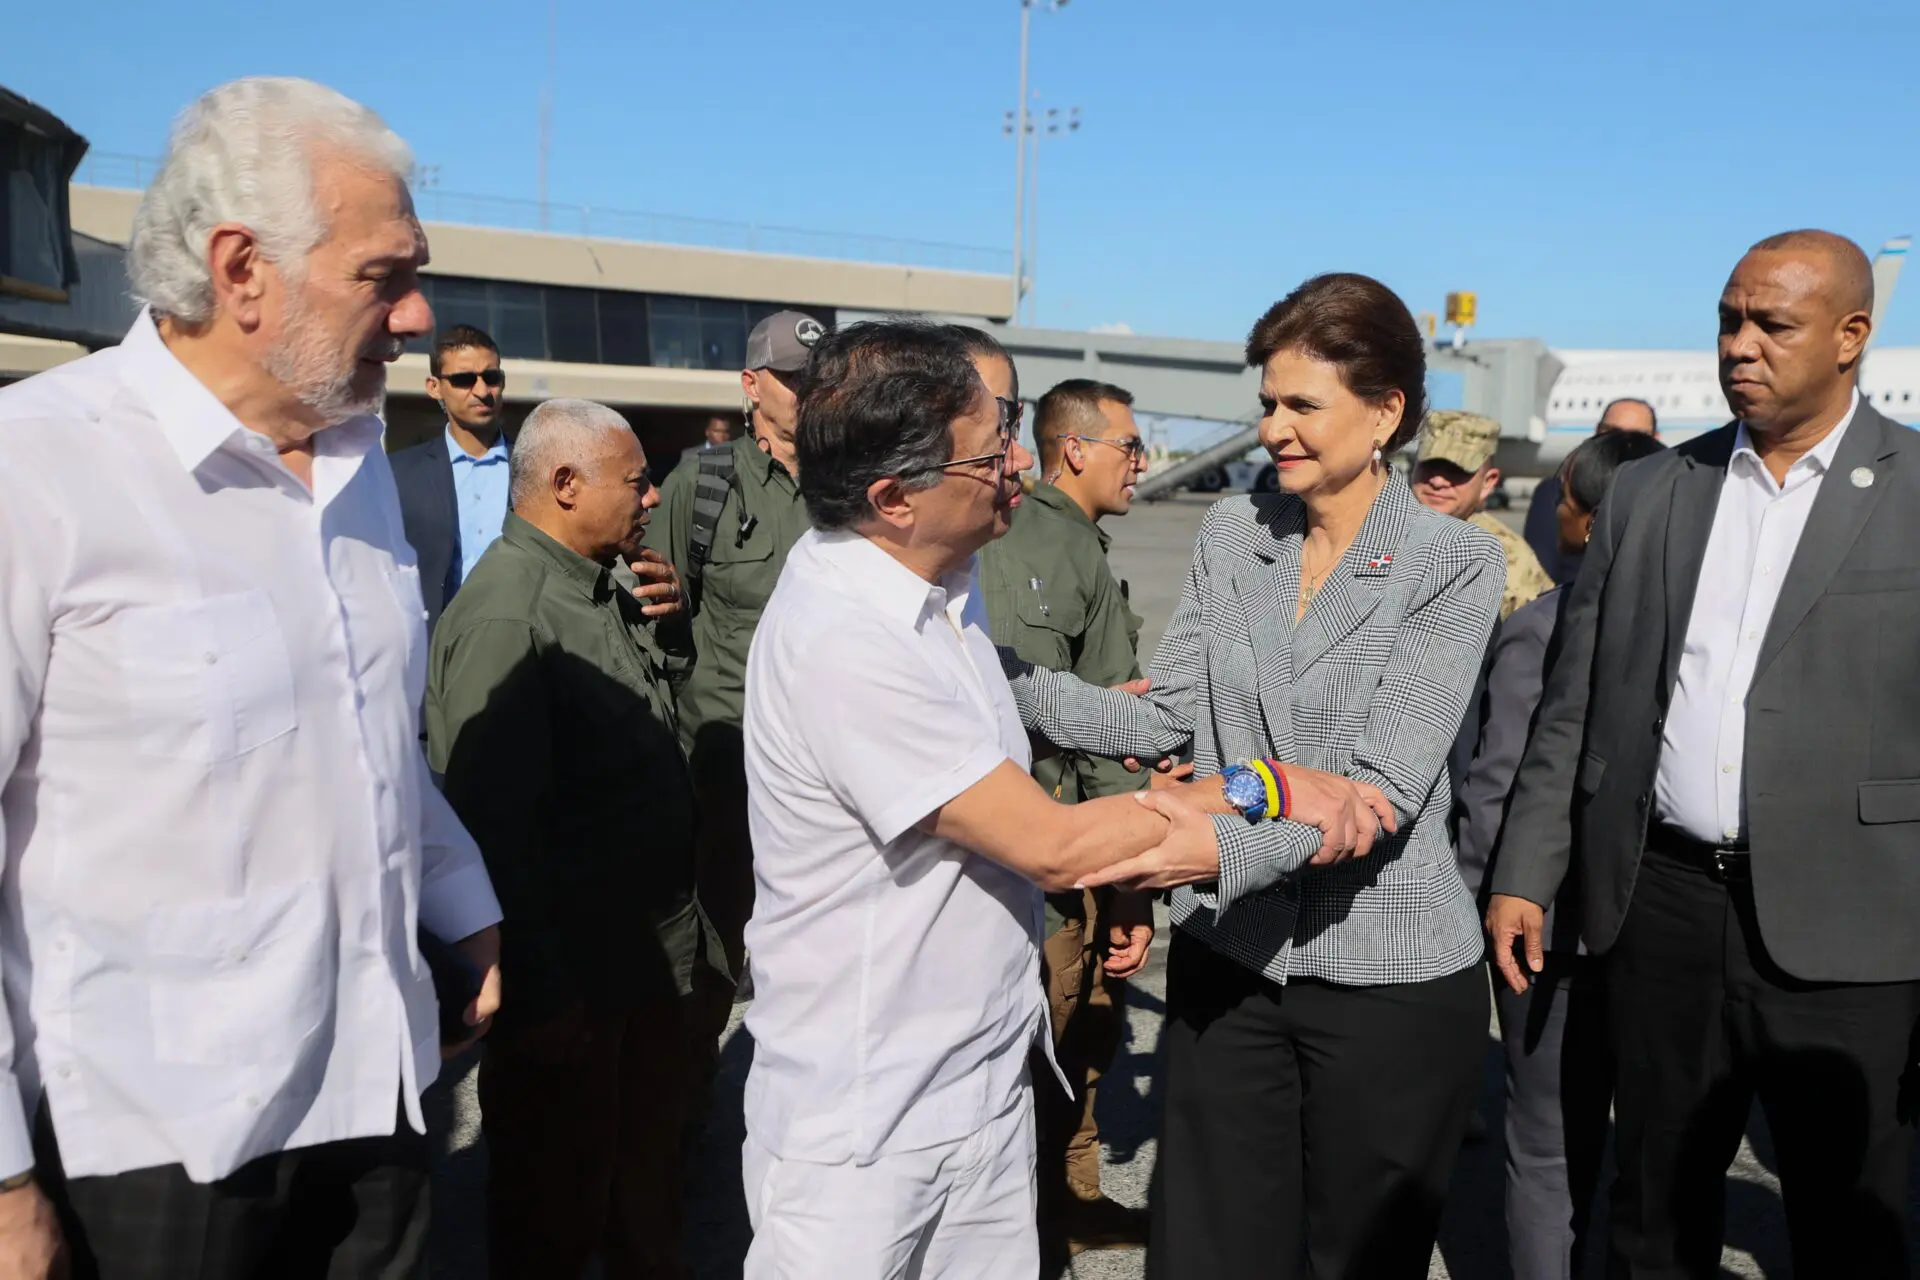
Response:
column 108, row 169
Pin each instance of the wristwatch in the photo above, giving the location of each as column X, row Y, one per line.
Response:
column 16, row 1182
column 1245, row 790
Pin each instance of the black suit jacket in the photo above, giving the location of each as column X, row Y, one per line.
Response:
column 1833, row 714
column 430, row 511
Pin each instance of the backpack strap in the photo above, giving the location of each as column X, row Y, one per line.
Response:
column 710, row 488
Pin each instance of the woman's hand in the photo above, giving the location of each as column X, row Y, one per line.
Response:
column 1190, row 854
column 1350, row 815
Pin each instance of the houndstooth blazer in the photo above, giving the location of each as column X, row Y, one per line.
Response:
column 1372, row 684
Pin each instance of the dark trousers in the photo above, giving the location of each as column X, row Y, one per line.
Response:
column 1703, row 1021
column 352, row 1210
column 583, row 1156
column 1308, row 1129
column 1559, row 1095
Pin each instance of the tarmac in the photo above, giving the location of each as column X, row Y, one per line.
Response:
column 1152, row 548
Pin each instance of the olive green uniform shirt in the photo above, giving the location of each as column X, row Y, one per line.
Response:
column 761, row 519
column 548, row 715
column 1052, row 598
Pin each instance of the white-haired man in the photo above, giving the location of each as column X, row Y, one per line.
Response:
column 549, row 715
column 220, row 832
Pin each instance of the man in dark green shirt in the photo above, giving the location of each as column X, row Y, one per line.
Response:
column 1051, row 597
column 548, row 715
column 730, row 557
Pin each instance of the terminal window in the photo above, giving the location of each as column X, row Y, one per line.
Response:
column 601, row 326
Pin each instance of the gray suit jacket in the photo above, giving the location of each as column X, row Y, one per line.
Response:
column 1515, row 680
column 1370, row 684
column 1833, row 715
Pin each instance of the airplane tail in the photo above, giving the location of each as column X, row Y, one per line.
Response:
column 1886, row 273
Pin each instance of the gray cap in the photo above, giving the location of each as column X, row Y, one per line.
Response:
column 781, row 341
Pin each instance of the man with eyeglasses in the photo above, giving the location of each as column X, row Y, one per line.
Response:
column 900, row 842
column 453, row 488
column 1052, row 598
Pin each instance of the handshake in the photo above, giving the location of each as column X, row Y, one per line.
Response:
column 1351, row 816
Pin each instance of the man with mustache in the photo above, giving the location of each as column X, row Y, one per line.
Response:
column 544, row 673
column 220, row 834
column 1728, row 749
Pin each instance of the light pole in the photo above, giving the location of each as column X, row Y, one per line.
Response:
column 1018, row 126
column 546, row 109
column 1052, row 128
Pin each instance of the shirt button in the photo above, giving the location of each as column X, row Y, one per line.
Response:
column 1753, row 635
column 251, row 1101
column 60, row 944
column 1726, row 768
column 210, row 657
column 66, row 1071
column 1732, row 833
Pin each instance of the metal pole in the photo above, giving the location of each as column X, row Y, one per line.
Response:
column 1033, row 228
column 1020, row 158
column 546, row 110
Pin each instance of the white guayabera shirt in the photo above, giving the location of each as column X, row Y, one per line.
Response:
column 218, row 823
column 896, row 975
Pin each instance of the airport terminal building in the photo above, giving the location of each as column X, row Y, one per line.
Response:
column 656, row 330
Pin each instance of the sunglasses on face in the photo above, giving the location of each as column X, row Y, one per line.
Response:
column 1133, row 446
column 494, row 378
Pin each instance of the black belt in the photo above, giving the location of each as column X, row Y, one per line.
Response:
column 1723, row 863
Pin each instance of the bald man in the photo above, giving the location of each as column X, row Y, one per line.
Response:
column 1542, row 530
column 1727, row 756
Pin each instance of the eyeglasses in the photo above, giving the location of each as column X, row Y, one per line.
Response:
column 1009, row 424
column 494, row 378
column 1133, row 446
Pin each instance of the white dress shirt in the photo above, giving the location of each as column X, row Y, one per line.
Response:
column 1700, row 787
column 896, row 976
column 218, row 822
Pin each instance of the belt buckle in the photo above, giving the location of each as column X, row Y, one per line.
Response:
column 1723, row 865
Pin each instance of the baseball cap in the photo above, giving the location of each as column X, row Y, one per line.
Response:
column 1465, row 439
column 781, row 341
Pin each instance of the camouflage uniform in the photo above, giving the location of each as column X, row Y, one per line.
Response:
column 1468, row 441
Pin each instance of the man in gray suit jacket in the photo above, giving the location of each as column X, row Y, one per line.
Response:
column 1730, row 744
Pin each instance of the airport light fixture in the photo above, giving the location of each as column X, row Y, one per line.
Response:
column 1021, row 129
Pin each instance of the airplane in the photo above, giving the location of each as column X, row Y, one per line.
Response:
column 1684, row 386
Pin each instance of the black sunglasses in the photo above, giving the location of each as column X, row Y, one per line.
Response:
column 494, row 378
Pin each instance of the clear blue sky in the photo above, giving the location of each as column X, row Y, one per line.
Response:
column 1592, row 170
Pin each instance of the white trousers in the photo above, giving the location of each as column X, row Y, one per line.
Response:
column 953, row 1212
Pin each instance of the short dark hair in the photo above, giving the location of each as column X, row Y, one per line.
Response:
column 1071, row 408
column 981, row 343
column 1590, row 467
column 880, row 399
column 1361, row 327
column 1653, row 416
column 455, row 337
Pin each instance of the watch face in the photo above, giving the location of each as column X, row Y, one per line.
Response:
column 1244, row 789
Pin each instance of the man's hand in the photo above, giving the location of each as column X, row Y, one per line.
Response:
column 1166, row 774
column 659, row 591
column 1130, row 934
column 1350, row 815
column 482, row 951
column 1509, row 918
column 1190, row 854
column 30, row 1243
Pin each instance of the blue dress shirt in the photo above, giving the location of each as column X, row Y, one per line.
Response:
column 480, row 493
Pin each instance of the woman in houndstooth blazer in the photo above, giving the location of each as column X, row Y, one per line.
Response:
column 1326, row 1010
